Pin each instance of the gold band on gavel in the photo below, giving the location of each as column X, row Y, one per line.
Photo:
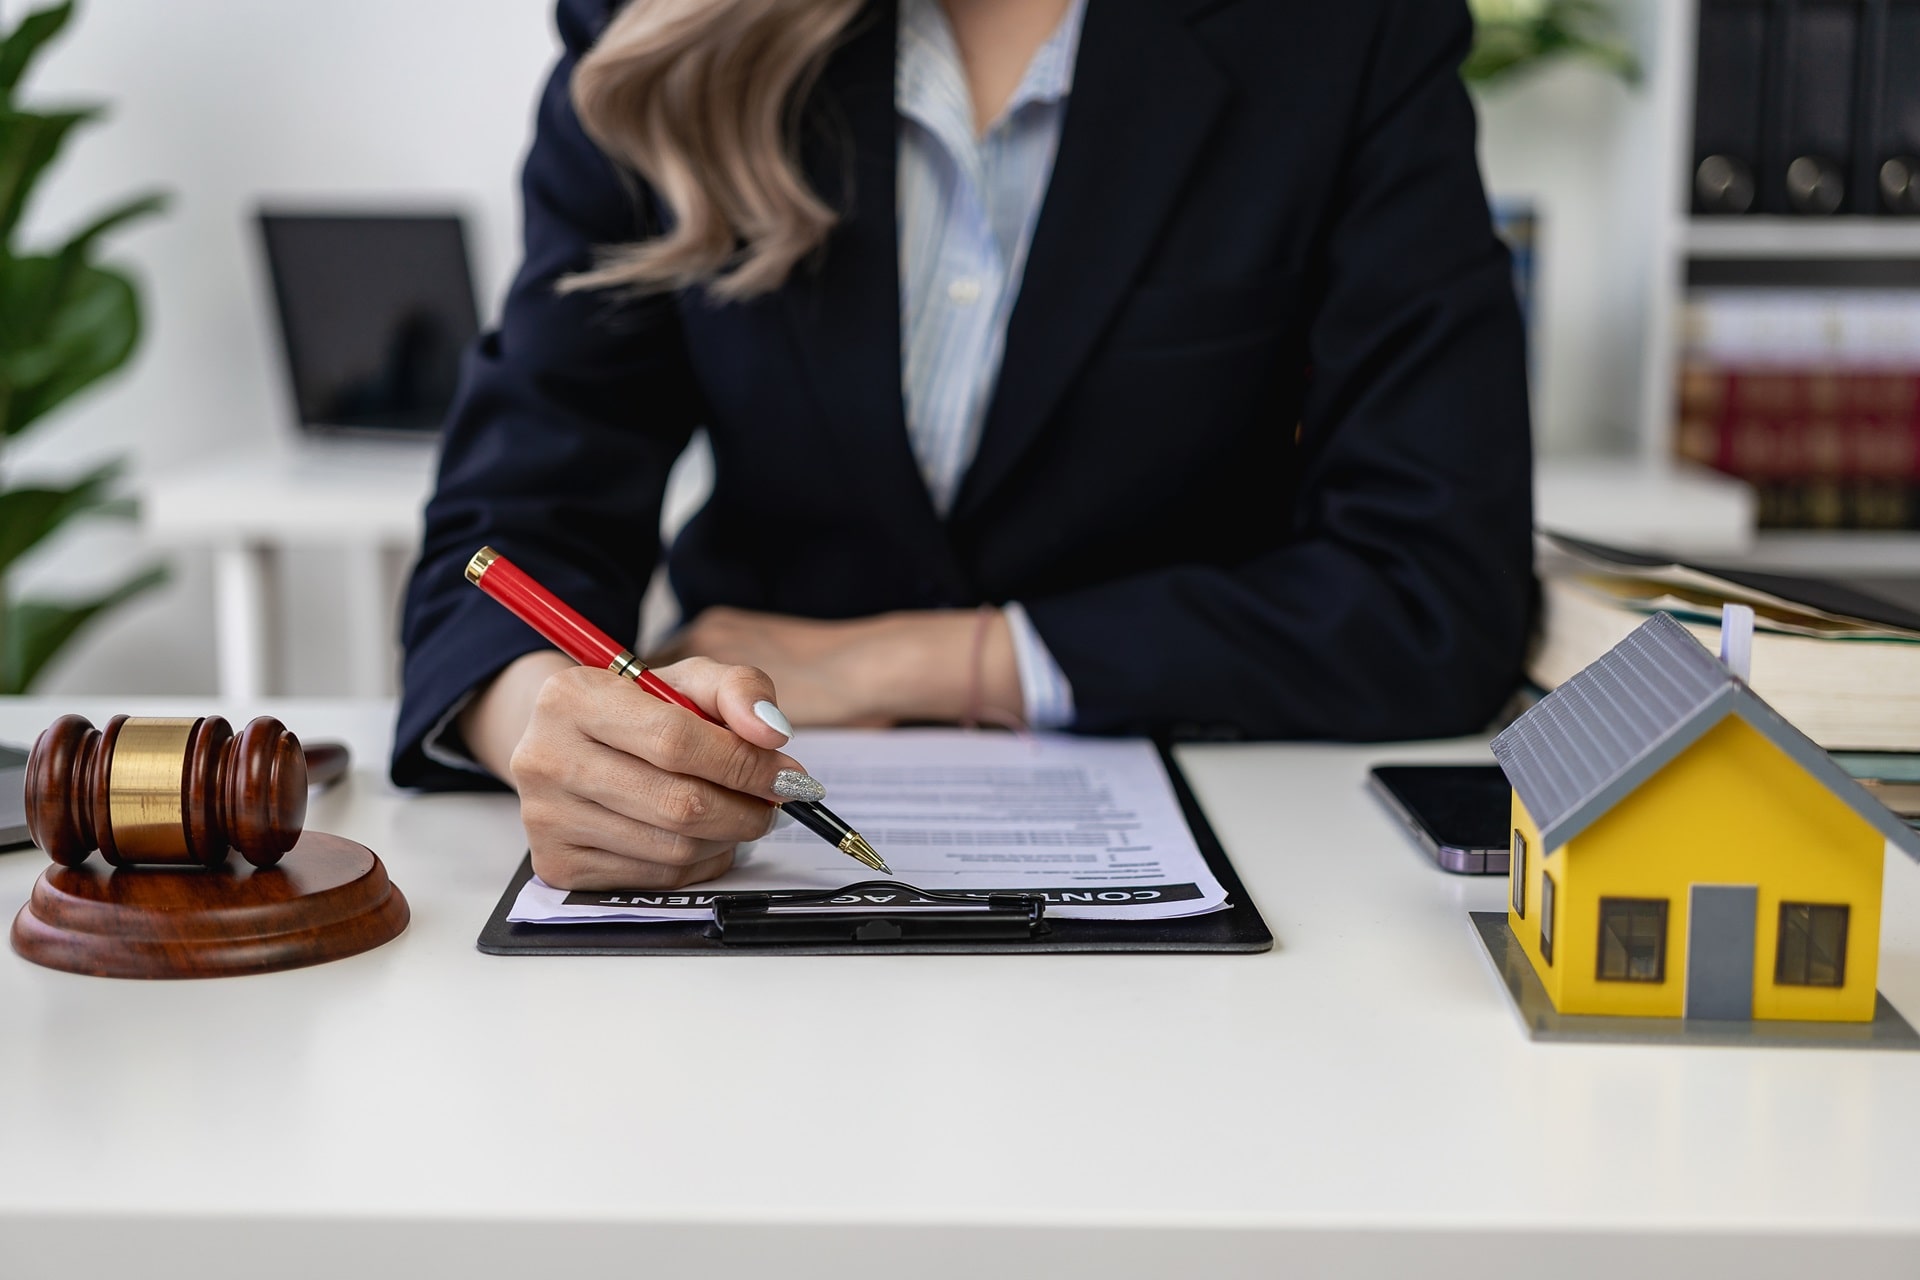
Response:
column 144, row 790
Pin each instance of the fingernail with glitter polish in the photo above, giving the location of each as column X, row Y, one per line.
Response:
column 771, row 717
column 791, row 784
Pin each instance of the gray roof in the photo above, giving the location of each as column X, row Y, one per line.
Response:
column 1590, row 743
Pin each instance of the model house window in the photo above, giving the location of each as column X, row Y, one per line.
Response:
column 1546, row 917
column 1813, row 945
column 1517, row 880
column 1633, row 940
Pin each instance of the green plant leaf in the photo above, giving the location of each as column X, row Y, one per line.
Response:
column 1499, row 48
column 34, row 286
column 1582, row 30
column 27, row 290
column 1611, row 55
column 17, row 50
column 65, row 323
column 91, row 331
column 72, row 256
column 28, row 144
column 36, row 630
column 28, row 516
column 152, row 202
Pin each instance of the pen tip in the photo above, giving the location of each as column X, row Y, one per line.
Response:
column 856, row 847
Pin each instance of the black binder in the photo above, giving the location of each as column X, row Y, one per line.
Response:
column 1009, row 925
column 1812, row 87
column 1887, row 161
column 1729, row 98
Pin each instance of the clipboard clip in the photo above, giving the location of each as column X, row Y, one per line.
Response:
column 792, row 917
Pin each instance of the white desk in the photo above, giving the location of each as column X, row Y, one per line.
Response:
column 1359, row 1102
column 359, row 499
column 362, row 499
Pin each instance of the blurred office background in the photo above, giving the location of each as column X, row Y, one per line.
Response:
column 425, row 104
column 230, row 104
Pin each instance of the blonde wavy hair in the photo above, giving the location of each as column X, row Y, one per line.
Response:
column 701, row 98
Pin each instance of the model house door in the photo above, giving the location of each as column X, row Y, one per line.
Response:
column 1720, row 925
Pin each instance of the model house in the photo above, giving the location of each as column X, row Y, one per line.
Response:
column 1681, row 850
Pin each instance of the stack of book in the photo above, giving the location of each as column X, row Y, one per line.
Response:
column 1812, row 397
column 1841, row 664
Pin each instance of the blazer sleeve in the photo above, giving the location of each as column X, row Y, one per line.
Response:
column 1397, row 606
column 557, row 447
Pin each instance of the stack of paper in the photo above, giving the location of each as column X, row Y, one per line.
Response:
column 1092, row 825
column 1843, row 666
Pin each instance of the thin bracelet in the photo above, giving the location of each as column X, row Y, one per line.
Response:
column 976, row 662
column 978, row 712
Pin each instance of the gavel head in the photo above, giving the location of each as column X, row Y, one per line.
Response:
column 166, row 792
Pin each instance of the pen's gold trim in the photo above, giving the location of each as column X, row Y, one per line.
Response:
column 855, row 846
column 626, row 666
column 482, row 561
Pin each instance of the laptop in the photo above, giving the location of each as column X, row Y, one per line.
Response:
column 375, row 312
column 13, row 797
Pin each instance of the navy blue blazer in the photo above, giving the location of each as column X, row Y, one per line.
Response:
column 1257, row 462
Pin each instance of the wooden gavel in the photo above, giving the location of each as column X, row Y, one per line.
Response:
column 166, row 792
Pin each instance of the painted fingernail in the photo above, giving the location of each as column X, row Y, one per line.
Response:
column 791, row 784
column 771, row 717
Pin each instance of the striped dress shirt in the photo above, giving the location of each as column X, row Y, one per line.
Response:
column 967, row 207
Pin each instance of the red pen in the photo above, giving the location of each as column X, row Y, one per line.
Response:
column 589, row 646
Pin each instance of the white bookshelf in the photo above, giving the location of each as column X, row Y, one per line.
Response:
column 1863, row 552
column 1798, row 239
column 1677, row 508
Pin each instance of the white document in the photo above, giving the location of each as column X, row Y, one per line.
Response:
column 1091, row 824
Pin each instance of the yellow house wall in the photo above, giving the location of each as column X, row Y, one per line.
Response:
column 1526, row 928
column 1732, row 809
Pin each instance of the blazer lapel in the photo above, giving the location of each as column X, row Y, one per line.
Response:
column 843, row 310
column 1144, row 99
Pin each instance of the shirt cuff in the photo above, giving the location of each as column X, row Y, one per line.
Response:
column 1043, row 685
column 443, row 744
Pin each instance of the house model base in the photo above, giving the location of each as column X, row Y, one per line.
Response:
column 1542, row 1021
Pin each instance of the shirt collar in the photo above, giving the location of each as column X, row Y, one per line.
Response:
column 929, row 71
column 1049, row 76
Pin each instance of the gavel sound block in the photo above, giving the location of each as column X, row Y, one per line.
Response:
column 164, row 801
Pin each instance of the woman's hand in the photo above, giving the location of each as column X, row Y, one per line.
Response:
column 874, row 671
column 619, row 790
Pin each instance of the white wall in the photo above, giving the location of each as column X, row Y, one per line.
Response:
column 1562, row 138
column 227, row 103
column 1600, row 159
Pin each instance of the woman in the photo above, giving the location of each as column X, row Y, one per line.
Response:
column 1116, row 365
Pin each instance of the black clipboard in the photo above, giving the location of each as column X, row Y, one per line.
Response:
column 1237, row 928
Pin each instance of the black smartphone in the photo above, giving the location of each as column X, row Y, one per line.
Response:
column 1461, row 814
